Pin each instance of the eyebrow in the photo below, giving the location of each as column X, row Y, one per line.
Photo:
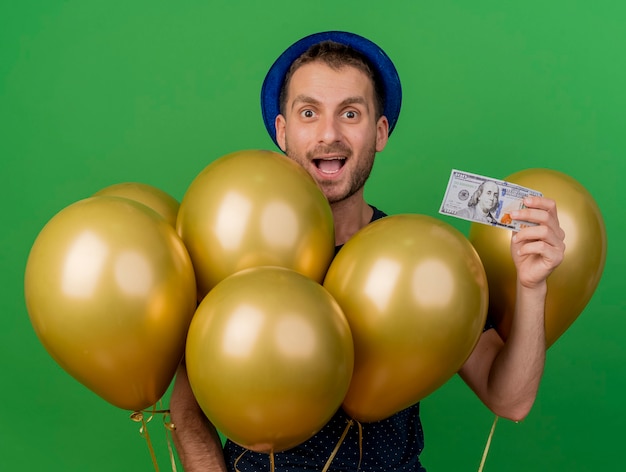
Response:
column 313, row 101
column 304, row 99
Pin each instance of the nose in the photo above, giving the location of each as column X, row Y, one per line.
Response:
column 329, row 130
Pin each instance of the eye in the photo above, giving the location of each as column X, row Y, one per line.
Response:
column 308, row 113
column 350, row 114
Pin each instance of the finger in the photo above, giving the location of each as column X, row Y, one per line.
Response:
column 536, row 207
column 540, row 242
column 541, row 203
column 552, row 256
column 543, row 212
column 549, row 235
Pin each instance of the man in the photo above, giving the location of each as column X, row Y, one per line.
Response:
column 330, row 106
column 482, row 203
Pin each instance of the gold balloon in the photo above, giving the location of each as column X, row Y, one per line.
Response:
column 255, row 208
column 269, row 357
column 110, row 291
column 572, row 283
column 415, row 295
column 161, row 202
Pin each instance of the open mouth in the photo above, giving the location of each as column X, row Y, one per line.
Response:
column 330, row 165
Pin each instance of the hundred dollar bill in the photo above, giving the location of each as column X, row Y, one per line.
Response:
column 485, row 200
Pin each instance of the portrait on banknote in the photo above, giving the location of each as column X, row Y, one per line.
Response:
column 482, row 204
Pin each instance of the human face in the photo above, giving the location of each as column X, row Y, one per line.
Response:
column 330, row 127
column 489, row 198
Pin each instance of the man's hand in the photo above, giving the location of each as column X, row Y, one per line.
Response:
column 537, row 250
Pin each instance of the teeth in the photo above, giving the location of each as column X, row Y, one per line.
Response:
column 330, row 166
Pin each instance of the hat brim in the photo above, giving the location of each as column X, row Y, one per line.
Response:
column 384, row 68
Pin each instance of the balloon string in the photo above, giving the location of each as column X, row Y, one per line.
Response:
column 272, row 466
column 238, row 459
column 493, row 428
column 169, row 427
column 334, row 453
column 139, row 417
column 360, row 444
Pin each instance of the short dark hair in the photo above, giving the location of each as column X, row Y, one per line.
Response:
column 336, row 56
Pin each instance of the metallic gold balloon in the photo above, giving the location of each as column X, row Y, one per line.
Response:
column 572, row 284
column 255, row 208
column 110, row 291
column 415, row 295
column 161, row 202
column 269, row 357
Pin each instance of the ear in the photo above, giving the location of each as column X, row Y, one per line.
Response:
column 382, row 133
column 279, row 124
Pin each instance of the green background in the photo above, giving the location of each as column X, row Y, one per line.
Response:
column 98, row 92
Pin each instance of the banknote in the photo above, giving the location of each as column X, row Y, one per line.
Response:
column 485, row 200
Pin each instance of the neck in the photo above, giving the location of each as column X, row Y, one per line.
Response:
column 350, row 215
